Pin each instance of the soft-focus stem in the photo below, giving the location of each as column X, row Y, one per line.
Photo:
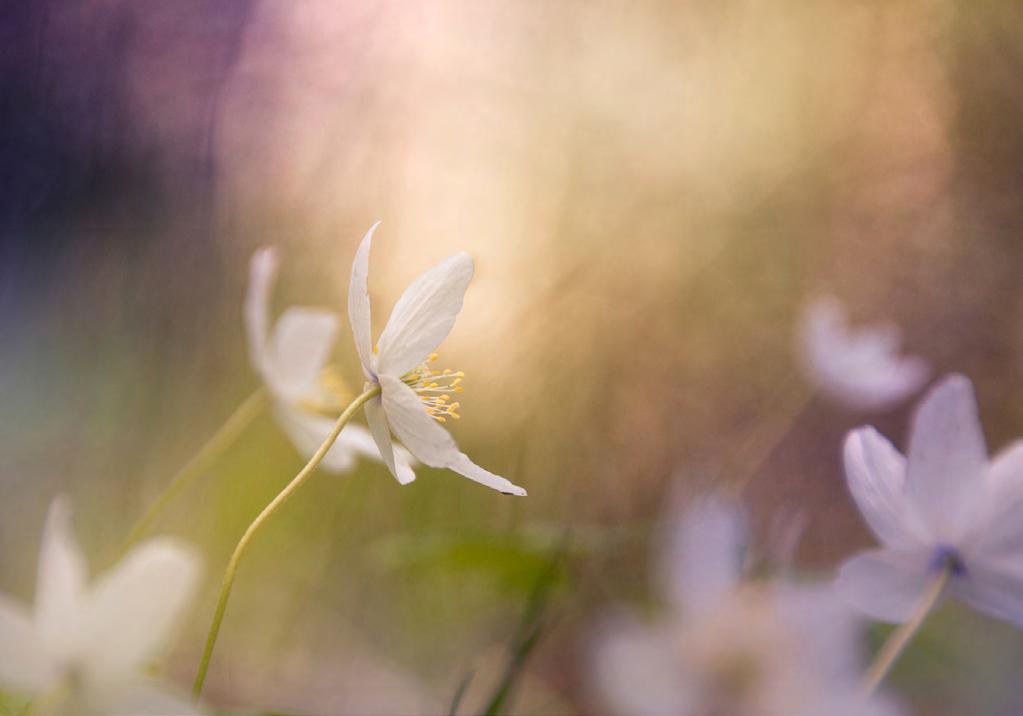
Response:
column 240, row 419
column 282, row 497
column 901, row 637
column 759, row 447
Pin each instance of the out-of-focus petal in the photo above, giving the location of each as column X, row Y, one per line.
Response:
column 60, row 582
column 262, row 272
column 860, row 369
column 876, row 474
column 1004, row 534
column 307, row 432
column 428, row 441
column 637, row 671
column 947, row 460
column 142, row 697
column 883, row 584
column 702, row 558
column 131, row 611
column 24, row 663
column 424, row 315
column 994, row 587
column 302, row 341
column 358, row 304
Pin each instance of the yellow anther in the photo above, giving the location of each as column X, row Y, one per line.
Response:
column 433, row 357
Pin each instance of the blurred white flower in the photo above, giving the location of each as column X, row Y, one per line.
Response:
column 860, row 368
column 293, row 364
column 946, row 506
column 414, row 398
column 728, row 646
column 85, row 647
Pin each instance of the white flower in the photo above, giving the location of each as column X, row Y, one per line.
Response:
column 860, row 369
column 728, row 646
column 414, row 398
column 945, row 506
column 86, row 646
column 292, row 362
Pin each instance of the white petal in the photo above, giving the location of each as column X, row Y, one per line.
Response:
column 947, row 460
column 365, row 444
column 993, row 588
column 302, row 341
column 1003, row 535
column 131, row 610
column 308, row 431
column 638, row 671
column 428, row 441
column 60, row 581
column 358, row 304
column 876, row 474
column 883, row 584
column 262, row 272
column 381, row 434
column 143, row 697
column 860, row 369
column 24, row 664
column 424, row 315
column 702, row 558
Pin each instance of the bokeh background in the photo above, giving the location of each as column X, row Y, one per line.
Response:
column 651, row 192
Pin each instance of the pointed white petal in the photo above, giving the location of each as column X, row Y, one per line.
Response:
column 883, row 584
column 60, row 581
column 302, row 341
column 24, row 664
column 428, row 441
column 381, row 433
column 131, row 611
column 262, row 272
column 876, row 474
column 1003, row 535
column 365, row 444
column 994, row 588
column 702, row 558
column 142, row 697
column 947, row 459
column 358, row 304
column 424, row 315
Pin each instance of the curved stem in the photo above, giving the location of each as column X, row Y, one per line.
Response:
column 240, row 419
column 897, row 642
column 282, row 497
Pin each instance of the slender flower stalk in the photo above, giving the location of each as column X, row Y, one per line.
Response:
column 751, row 456
column 901, row 637
column 225, row 436
column 282, row 497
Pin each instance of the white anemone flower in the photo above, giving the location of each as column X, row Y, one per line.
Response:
column 728, row 645
column 414, row 398
column 943, row 507
column 860, row 369
column 84, row 648
column 292, row 361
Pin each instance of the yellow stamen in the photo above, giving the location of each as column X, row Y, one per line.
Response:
column 434, row 388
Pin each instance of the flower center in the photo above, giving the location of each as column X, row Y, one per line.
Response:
column 435, row 388
column 333, row 395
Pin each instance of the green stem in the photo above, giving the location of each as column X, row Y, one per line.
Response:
column 282, row 497
column 901, row 637
column 240, row 419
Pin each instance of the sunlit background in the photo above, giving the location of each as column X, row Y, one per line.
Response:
column 651, row 193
